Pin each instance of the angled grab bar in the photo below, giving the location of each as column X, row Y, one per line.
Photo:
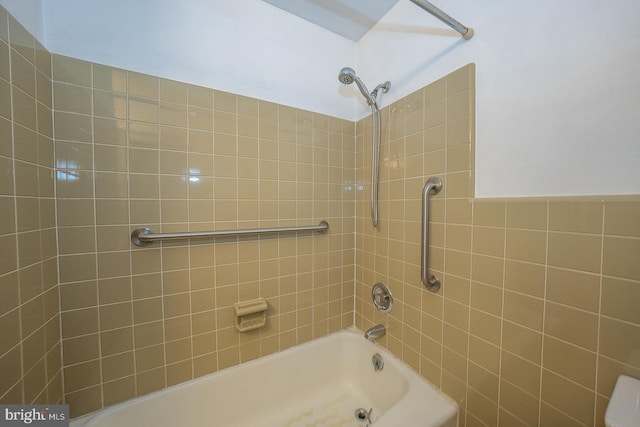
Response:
column 432, row 186
column 145, row 236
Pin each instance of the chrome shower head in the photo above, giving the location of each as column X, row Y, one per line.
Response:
column 347, row 76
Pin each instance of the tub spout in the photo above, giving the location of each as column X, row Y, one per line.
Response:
column 376, row 332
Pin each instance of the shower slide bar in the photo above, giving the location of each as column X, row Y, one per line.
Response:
column 145, row 236
column 432, row 186
column 465, row 32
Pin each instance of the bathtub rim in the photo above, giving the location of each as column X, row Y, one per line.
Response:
column 400, row 409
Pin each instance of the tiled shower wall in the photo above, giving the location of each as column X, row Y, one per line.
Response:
column 536, row 317
column 538, row 310
column 30, row 362
column 138, row 151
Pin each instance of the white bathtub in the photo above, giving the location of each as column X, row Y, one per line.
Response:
column 320, row 383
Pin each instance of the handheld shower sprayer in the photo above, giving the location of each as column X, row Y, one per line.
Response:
column 347, row 76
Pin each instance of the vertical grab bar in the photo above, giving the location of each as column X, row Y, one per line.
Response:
column 432, row 186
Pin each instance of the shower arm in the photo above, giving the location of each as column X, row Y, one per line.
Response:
column 465, row 32
column 385, row 88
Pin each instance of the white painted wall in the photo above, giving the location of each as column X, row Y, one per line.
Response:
column 29, row 14
column 558, row 84
column 246, row 47
column 558, row 87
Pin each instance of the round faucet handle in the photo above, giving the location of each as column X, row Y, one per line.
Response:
column 382, row 298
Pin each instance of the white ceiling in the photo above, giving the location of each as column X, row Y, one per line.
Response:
column 348, row 18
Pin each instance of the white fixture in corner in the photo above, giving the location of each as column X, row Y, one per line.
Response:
column 624, row 407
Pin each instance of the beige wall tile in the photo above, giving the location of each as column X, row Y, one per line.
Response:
column 81, row 349
column 621, row 218
column 523, row 310
column 116, row 341
column 525, row 277
column 576, row 216
column 144, row 135
column 71, row 98
column 619, row 255
column 527, row 214
column 82, row 375
column 179, row 350
column 521, row 373
column 201, row 118
column 550, row 416
column 459, row 105
column 114, row 290
column 70, row 70
column 30, row 310
column 522, row 342
column 200, row 96
column 143, row 85
column 149, row 381
column 569, row 397
column 173, row 91
column 78, row 295
column 486, row 298
column 575, row 251
column 516, row 401
column 619, row 340
column 118, row 366
column 79, row 322
column 72, row 127
column 108, row 78
column 115, row 316
column 459, row 237
column 201, row 141
column 180, row 327
column 74, row 268
column 489, row 241
column 570, row 361
column 25, row 142
column 569, row 324
column 5, row 105
column 9, row 292
column 27, row 212
column 4, row 59
column 10, row 321
column 118, row 390
column 526, row 245
column 110, row 132
column 620, row 299
column 574, row 288
column 482, row 408
column 484, row 382
column 84, row 401
column 109, row 104
column 149, row 358
column 461, row 79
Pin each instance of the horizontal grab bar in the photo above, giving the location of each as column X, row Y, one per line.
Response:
column 432, row 186
column 145, row 236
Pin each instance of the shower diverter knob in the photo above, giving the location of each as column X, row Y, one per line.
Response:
column 382, row 298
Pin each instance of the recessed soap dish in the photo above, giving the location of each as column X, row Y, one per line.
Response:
column 250, row 315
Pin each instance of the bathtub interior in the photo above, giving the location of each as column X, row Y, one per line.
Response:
column 319, row 383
